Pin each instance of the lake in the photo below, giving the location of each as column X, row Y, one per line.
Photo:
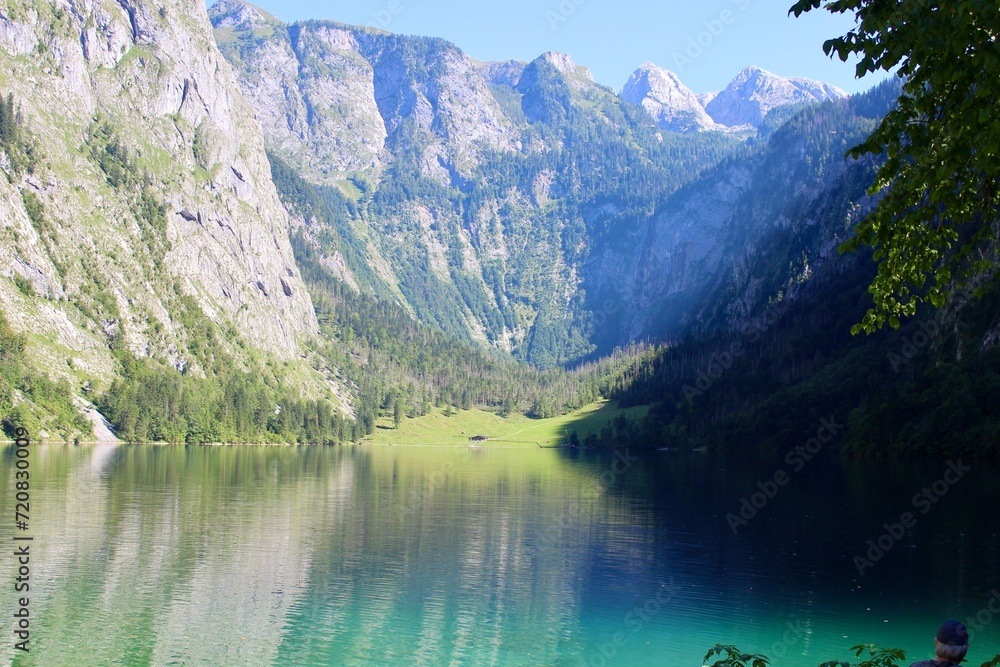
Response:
column 345, row 556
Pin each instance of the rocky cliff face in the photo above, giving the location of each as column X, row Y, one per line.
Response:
column 671, row 104
column 522, row 206
column 150, row 204
column 335, row 100
column 503, row 73
column 556, row 192
column 755, row 92
column 746, row 234
column 752, row 95
column 414, row 132
column 305, row 108
column 511, row 202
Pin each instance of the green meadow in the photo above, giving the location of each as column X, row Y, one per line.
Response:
column 461, row 426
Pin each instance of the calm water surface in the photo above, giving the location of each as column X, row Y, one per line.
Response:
column 248, row 556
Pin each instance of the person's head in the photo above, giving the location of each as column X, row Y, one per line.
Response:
column 952, row 641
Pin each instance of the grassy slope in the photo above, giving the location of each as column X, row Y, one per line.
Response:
column 513, row 431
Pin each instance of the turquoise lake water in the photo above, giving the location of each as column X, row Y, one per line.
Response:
column 250, row 556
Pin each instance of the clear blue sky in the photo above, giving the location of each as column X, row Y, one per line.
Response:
column 705, row 41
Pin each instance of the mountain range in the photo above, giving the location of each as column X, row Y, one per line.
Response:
column 226, row 205
column 744, row 104
column 352, row 107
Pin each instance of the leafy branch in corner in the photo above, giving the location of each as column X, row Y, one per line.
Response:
column 877, row 657
column 734, row 658
column 935, row 228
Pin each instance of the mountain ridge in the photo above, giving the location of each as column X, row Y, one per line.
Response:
column 743, row 104
column 755, row 92
column 445, row 218
column 673, row 106
column 146, row 228
column 457, row 263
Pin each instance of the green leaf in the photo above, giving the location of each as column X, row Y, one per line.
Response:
column 939, row 179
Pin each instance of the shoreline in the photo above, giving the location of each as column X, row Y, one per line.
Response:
column 122, row 443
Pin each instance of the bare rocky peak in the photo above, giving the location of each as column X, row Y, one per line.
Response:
column 564, row 64
column 503, row 73
column 741, row 106
column 671, row 104
column 230, row 13
column 705, row 98
column 755, row 92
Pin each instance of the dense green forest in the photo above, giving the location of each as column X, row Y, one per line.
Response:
column 931, row 387
column 15, row 141
column 151, row 403
column 24, row 391
column 764, row 382
column 606, row 168
column 399, row 365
